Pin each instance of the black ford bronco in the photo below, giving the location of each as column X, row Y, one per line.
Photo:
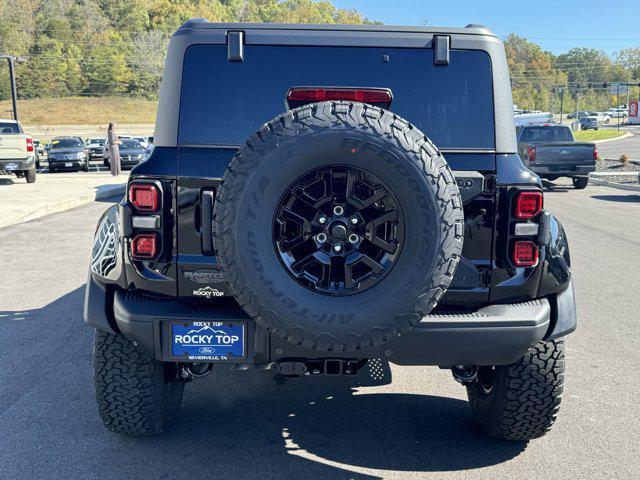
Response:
column 320, row 197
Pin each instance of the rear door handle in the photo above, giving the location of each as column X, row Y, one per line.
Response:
column 206, row 221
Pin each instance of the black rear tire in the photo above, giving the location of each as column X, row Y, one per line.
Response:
column 580, row 183
column 30, row 175
column 136, row 394
column 519, row 402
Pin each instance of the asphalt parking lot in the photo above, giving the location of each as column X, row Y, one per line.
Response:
column 246, row 425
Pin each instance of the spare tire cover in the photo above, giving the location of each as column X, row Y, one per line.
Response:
column 338, row 226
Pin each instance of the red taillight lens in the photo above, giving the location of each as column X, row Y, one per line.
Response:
column 144, row 197
column 595, row 153
column 531, row 154
column 528, row 205
column 144, row 246
column 321, row 94
column 29, row 144
column 525, row 254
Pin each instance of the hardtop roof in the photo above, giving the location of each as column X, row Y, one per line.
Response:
column 471, row 29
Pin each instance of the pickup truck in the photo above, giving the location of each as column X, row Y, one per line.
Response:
column 551, row 151
column 17, row 152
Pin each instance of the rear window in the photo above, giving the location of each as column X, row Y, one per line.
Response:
column 66, row 143
column 225, row 102
column 7, row 128
column 547, row 134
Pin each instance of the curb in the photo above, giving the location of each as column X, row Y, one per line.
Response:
column 618, row 186
column 101, row 193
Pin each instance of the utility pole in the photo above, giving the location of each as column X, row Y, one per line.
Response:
column 561, row 101
column 618, row 102
column 12, row 80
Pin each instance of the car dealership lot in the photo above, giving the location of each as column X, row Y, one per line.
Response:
column 419, row 426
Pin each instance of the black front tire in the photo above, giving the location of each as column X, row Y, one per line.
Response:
column 136, row 394
column 580, row 183
column 520, row 402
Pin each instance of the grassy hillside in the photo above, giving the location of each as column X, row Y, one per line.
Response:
column 82, row 110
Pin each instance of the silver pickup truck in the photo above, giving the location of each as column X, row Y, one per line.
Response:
column 17, row 152
column 551, row 151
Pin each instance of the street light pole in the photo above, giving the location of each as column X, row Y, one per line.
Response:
column 561, row 103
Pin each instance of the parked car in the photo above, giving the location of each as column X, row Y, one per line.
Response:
column 95, row 146
column 602, row 117
column 17, row 151
column 589, row 123
column 131, row 153
column 578, row 115
column 621, row 113
column 338, row 216
column 551, row 151
column 68, row 154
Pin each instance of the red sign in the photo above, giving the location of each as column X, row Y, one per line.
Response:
column 633, row 108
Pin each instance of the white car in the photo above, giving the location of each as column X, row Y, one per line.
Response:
column 603, row 117
column 618, row 113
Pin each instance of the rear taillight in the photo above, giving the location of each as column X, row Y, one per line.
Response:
column 595, row 153
column 528, row 205
column 302, row 95
column 531, row 154
column 29, row 144
column 525, row 253
column 144, row 246
column 144, row 197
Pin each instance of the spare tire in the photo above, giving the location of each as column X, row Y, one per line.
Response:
column 338, row 226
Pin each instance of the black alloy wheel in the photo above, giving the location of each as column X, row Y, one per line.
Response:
column 338, row 230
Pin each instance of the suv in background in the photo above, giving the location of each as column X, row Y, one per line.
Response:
column 589, row 123
column 95, row 146
column 68, row 154
column 366, row 201
column 17, row 151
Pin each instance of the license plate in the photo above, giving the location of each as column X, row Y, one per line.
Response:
column 10, row 167
column 68, row 164
column 207, row 340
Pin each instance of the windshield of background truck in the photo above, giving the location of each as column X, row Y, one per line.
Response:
column 224, row 102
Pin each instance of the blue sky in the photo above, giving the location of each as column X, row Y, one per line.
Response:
column 555, row 25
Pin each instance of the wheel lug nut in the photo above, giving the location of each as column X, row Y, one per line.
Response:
column 353, row 238
column 321, row 238
column 338, row 210
column 337, row 248
column 322, row 219
column 354, row 220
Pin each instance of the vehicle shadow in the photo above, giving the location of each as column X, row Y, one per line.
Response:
column 232, row 424
column 618, row 198
column 6, row 181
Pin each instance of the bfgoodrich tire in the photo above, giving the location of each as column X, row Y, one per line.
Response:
column 315, row 160
column 136, row 395
column 520, row 401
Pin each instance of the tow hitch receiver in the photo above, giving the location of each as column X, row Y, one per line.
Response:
column 320, row 367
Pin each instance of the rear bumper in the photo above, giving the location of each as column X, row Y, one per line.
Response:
column 16, row 164
column 493, row 335
column 562, row 170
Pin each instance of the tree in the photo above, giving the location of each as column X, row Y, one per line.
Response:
column 533, row 75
